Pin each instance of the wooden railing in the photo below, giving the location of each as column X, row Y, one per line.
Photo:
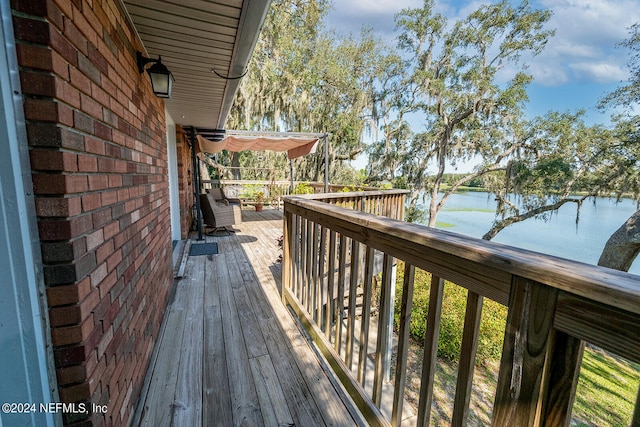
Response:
column 333, row 249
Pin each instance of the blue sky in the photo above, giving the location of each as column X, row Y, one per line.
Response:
column 579, row 65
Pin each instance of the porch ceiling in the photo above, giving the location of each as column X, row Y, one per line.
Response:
column 194, row 38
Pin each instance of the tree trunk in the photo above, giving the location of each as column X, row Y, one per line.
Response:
column 623, row 246
column 235, row 164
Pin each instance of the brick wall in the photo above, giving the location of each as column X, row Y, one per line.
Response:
column 99, row 164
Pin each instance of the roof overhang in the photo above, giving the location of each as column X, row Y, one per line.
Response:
column 197, row 39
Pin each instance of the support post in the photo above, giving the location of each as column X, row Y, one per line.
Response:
column 196, row 182
column 326, row 163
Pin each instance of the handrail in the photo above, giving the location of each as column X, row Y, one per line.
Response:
column 554, row 306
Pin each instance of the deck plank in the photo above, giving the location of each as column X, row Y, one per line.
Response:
column 217, row 410
column 158, row 402
column 275, row 410
column 229, row 352
column 188, row 396
column 244, row 399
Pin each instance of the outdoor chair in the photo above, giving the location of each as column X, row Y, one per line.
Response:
column 216, row 215
column 219, row 196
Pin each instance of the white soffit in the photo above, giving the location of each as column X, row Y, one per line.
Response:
column 194, row 38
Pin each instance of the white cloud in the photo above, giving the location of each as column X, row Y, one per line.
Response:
column 585, row 48
column 365, row 8
column 600, row 72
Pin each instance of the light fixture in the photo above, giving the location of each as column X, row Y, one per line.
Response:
column 161, row 77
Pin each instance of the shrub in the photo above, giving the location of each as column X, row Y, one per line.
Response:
column 303, row 188
column 452, row 319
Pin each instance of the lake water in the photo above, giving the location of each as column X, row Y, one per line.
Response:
column 472, row 213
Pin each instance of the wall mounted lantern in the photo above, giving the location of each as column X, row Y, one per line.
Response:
column 161, row 77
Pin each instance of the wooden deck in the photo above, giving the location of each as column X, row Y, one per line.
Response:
column 229, row 353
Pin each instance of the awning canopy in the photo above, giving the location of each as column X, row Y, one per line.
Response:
column 295, row 144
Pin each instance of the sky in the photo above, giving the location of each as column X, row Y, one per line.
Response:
column 579, row 66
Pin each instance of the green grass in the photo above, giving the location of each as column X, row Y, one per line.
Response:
column 468, row 210
column 440, row 224
column 608, row 385
column 607, row 390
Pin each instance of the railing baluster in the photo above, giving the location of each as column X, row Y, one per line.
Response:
column 635, row 421
column 383, row 329
column 353, row 290
column 430, row 350
column 562, row 370
column 308, row 265
column 287, row 263
column 315, row 285
column 320, row 276
column 340, row 299
column 297, row 256
column 468, row 351
column 529, row 323
column 331, row 275
column 366, row 315
column 403, row 344
column 303, row 260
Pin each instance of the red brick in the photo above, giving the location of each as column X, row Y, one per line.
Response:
column 73, row 34
column 98, row 60
column 106, row 340
column 89, row 69
column 114, row 260
column 32, row 7
column 87, row 163
column 99, row 274
column 109, row 197
column 31, row 30
column 81, row 22
column 63, row 316
column 89, row 303
column 70, row 294
column 71, row 375
column 61, row 45
column 102, row 131
column 68, row 94
column 53, row 160
column 104, row 252
column 91, row 202
column 59, row 184
column 115, row 181
column 79, row 80
column 54, row 230
column 91, row 107
column 75, row 393
column 102, row 217
column 54, row 14
column 38, row 84
column 98, row 182
column 96, row 376
column 40, row 109
column 65, row 7
column 111, row 230
column 94, row 239
column 35, row 57
column 57, row 207
column 69, row 356
column 94, row 146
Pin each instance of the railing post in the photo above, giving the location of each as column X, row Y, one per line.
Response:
column 529, row 325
